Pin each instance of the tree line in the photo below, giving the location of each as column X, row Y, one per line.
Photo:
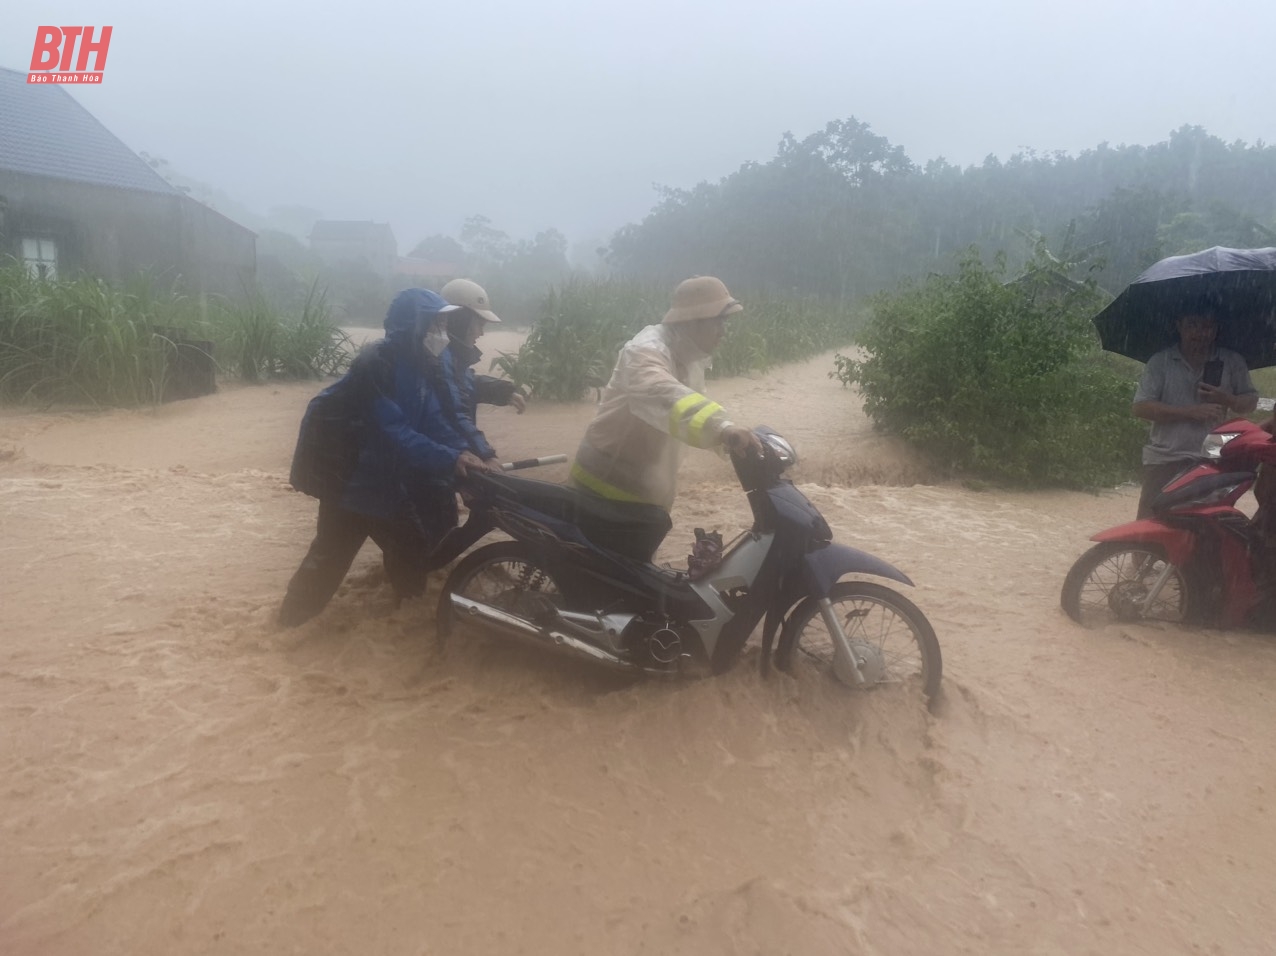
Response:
column 844, row 213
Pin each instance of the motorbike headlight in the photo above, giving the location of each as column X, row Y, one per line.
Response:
column 1212, row 447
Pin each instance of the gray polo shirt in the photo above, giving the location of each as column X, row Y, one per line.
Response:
column 1169, row 378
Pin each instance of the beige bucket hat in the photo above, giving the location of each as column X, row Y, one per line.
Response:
column 700, row 297
column 470, row 295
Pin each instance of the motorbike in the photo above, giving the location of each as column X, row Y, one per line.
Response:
column 577, row 578
column 1197, row 559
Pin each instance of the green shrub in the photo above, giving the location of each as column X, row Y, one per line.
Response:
column 998, row 380
column 584, row 323
column 777, row 330
column 575, row 341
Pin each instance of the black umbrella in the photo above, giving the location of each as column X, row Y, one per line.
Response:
column 1238, row 285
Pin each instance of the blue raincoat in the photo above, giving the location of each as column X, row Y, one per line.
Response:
column 380, row 440
column 466, row 390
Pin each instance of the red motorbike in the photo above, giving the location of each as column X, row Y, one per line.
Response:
column 1198, row 558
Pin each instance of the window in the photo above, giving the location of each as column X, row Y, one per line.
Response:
column 40, row 257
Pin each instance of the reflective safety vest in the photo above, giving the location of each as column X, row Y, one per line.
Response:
column 652, row 407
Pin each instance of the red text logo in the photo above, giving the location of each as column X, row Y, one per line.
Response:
column 61, row 55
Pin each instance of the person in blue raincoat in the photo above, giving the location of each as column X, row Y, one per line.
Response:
column 465, row 326
column 380, row 450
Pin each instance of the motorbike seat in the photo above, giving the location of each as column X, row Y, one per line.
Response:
column 632, row 529
column 1198, row 489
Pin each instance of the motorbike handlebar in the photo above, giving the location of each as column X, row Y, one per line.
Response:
column 478, row 478
column 533, row 462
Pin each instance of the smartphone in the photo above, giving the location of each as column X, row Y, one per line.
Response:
column 1213, row 374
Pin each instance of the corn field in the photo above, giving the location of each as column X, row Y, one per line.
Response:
column 85, row 340
column 584, row 323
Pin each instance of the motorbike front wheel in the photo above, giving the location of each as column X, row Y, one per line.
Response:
column 1111, row 582
column 885, row 630
column 506, row 575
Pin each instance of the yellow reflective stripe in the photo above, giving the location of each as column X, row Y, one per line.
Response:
column 600, row 487
column 696, row 427
column 682, row 408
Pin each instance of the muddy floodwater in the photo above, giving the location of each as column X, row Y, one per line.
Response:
column 178, row 775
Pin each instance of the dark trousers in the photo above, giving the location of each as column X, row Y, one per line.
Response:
column 339, row 537
column 1155, row 477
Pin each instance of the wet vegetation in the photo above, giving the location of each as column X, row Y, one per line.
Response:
column 1001, row 379
column 84, row 340
column 584, row 322
column 845, row 214
column 980, row 349
column 973, row 344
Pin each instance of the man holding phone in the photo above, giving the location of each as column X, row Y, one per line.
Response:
column 1185, row 390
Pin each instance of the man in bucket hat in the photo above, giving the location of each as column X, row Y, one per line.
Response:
column 654, row 405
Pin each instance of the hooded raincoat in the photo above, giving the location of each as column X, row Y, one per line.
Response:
column 380, row 441
column 652, row 408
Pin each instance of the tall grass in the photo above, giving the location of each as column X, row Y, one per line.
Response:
column 85, row 340
column 81, row 340
column 262, row 343
column 583, row 324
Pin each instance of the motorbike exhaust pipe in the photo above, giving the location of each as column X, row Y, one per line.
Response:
column 515, row 627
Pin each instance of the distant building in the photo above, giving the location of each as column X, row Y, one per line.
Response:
column 338, row 241
column 75, row 200
column 426, row 271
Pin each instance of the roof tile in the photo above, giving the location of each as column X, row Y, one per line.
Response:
column 44, row 131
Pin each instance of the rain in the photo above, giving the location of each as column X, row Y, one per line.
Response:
column 921, row 597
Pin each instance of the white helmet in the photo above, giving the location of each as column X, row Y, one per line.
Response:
column 470, row 295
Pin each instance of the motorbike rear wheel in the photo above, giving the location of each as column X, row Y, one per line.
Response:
column 1109, row 583
column 884, row 628
column 506, row 575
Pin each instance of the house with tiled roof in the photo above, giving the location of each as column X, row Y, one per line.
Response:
column 343, row 241
column 75, row 200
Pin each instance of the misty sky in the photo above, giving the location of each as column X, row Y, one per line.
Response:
column 564, row 113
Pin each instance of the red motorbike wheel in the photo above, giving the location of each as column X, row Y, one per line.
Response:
column 1111, row 582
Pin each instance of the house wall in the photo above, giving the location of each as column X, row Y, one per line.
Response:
column 220, row 255
column 380, row 252
column 117, row 233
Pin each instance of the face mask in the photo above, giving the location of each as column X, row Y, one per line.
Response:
column 435, row 342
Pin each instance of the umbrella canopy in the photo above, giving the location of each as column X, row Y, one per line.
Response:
column 1237, row 285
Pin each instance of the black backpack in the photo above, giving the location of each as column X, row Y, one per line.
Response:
column 334, row 429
